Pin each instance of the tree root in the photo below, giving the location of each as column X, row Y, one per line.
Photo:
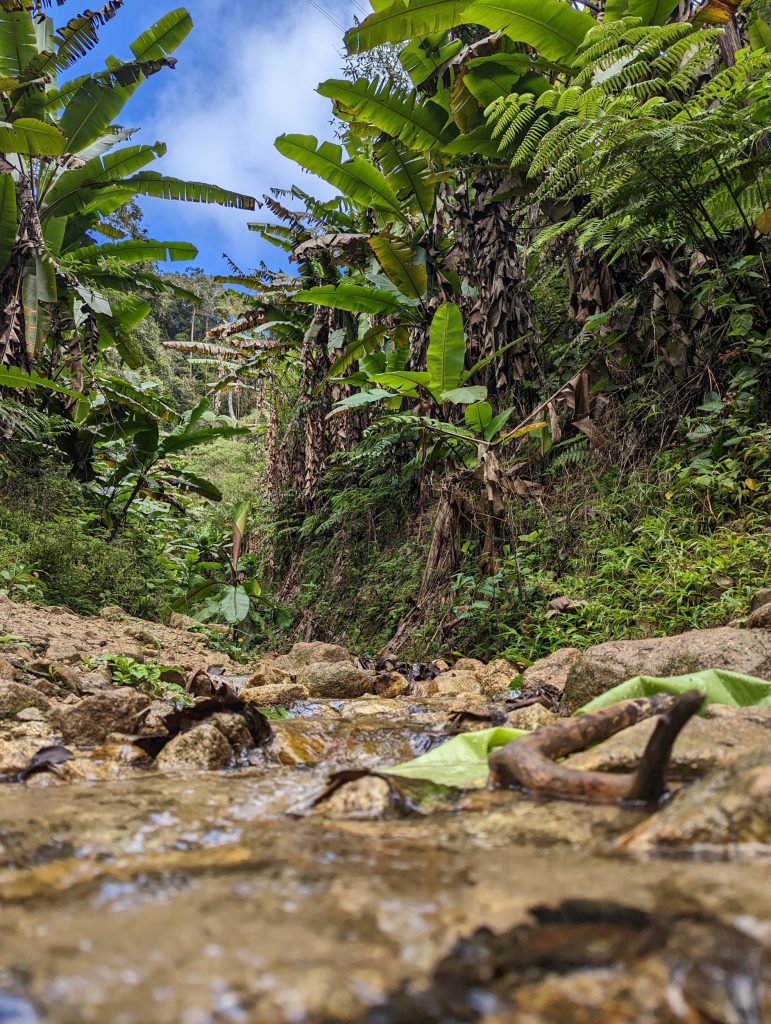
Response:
column 530, row 762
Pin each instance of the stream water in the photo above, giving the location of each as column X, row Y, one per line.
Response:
column 141, row 897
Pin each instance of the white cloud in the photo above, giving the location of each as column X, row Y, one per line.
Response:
column 242, row 79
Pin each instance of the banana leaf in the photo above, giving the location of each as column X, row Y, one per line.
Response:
column 460, row 762
column 718, row 686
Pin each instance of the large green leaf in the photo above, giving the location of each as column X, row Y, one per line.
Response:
column 404, row 20
column 354, row 298
column 234, row 605
column 759, row 33
column 362, row 398
column 135, row 251
column 356, row 349
column 163, row 38
column 240, row 519
column 409, row 174
column 151, row 183
column 358, row 179
column 552, row 27
column 31, row 137
column 13, row 377
column 479, row 416
column 180, row 442
column 404, row 382
column 8, row 214
column 406, row 116
column 651, row 12
column 398, row 262
column 465, row 395
column 446, row 349
column 90, row 112
column 38, row 294
column 461, row 761
column 717, row 685
column 75, row 190
column 17, row 42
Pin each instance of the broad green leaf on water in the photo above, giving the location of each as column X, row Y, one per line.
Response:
column 12, row 377
column 719, row 687
column 8, row 211
column 403, row 115
column 402, row 20
column 552, row 27
column 478, row 416
column 234, row 605
column 398, row 260
column 465, row 396
column 446, row 349
column 358, row 179
column 354, row 298
column 31, row 137
column 460, row 761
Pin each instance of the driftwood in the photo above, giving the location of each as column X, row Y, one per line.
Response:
column 530, row 761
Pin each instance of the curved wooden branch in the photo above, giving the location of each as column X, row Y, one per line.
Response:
column 530, row 762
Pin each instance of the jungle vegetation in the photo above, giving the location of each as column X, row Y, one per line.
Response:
column 507, row 390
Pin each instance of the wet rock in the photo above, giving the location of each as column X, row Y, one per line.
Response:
column 334, row 679
column 426, row 688
column 704, row 744
column 532, row 717
column 89, row 721
column 367, row 706
column 468, row 665
column 234, row 729
column 458, row 681
column 440, row 665
column 274, row 695
column 14, row 697
column 365, row 798
column 602, row 667
column 7, row 670
column 15, row 755
column 552, row 671
column 761, row 617
column 392, row 684
column 305, row 654
column 268, row 674
column 729, row 809
column 203, row 747
column 119, row 750
column 496, row 677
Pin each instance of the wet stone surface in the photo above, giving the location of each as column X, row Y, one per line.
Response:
column 144, row 888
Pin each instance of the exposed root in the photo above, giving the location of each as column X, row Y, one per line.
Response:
column 530, row 762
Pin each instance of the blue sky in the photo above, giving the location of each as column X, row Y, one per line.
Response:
column 246, row 73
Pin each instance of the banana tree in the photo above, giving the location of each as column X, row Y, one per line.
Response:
column 70, row 282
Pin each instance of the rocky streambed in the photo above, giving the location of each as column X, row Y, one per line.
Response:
column 167, row 865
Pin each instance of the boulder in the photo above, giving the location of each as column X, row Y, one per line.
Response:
column 604, row 666
column 62, row 650
column 704, row 744
column 14, row 697
column 551, row 671
column 761, row 617
column 727, row 810
column 496, row 677
column 274, row 695
column 268, row 674
column 203, row 748
column 530, row 718
column 303, row 655
column 334, row 679
column 426, row 688
column 392, row 684
column 234, row 729
column 371, row 705
column 458, row 681
column 91, row 720
column 468, row 665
